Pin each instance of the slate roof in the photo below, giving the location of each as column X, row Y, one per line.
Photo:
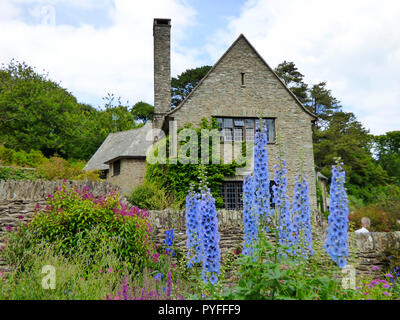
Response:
column 124, row 144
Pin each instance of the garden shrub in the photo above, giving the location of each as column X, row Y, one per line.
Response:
column 57, row 168
column 148, row 196
column 381, row 221
column 10, row 173
column 31, row 159
column 69, row 217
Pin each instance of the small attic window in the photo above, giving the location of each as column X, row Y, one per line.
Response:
column 242, row 79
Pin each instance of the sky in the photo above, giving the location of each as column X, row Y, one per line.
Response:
column 96, row 47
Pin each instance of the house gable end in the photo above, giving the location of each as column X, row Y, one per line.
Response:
column 241, row 70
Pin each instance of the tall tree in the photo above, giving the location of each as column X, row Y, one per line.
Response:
column 185, row 82
column 345, row 137
column 293, row 79
column 387, row 148
column 322, row 102
column 143, row 111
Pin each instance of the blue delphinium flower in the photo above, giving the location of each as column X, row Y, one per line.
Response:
column 301, row 218
column 282, row 204
column 169, row 241
column 209, row 236
column 261, row 175
column 250, row 217
column 336, row 240
column 193, row 240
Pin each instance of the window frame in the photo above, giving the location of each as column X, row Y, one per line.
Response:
column 221, row 127
column 116, row 169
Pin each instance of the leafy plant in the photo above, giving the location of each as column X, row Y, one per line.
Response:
column 148, row 196
column 69, row 217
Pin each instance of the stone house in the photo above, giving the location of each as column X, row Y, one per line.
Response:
column 238, row 89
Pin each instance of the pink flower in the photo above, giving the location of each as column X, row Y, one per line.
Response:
column 20, row 217
column 101, row 271
column 365, row 293
column 1, row 274
column 385, row 293
column 388, row 275
column 110, row 270
column 386, row 286
column 375, row 268
column 8, row 228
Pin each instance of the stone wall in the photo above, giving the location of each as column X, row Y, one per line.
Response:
column 132, row 172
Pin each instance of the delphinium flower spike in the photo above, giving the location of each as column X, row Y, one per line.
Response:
column 193, row 240
column 250, row 217
column 209, row 234
column 282, row 205
column 261, row 175
column 301, row 217
column 336, row 240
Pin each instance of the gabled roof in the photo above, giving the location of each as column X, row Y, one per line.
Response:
column 123, row 144
column 261, row 58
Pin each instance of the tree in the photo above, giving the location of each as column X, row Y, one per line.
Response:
column 185, row 82
column 323, row 103
column 34, row 111
column 387, row 148
column 293, row 79
column 143, row 111
column 346, row 138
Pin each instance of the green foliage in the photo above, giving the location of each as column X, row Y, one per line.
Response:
column 143, row 111
column 185, row 82
column 177, row 177
column 80, row 275
column 293, row 79
column 388, row 152
column 148, row 196
column 68, row 219
column 346, row 138
column 38, row 114
column 32, row 159
column 57, row 168
column 9, row 173
column 275, row 276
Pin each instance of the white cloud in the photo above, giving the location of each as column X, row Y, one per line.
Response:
column 353, row 45
column 93, row 61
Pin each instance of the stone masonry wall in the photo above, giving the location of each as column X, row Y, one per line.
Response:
column 222, row 94
column 131, row 175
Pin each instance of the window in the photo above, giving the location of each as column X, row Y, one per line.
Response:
column 116, row 167
column 239, row 129
column 242, row 78
column 232, row 193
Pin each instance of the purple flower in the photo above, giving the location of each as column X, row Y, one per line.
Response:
column 375, row 268
column 336, row 240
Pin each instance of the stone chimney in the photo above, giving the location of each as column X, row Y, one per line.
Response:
column 162, row 70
